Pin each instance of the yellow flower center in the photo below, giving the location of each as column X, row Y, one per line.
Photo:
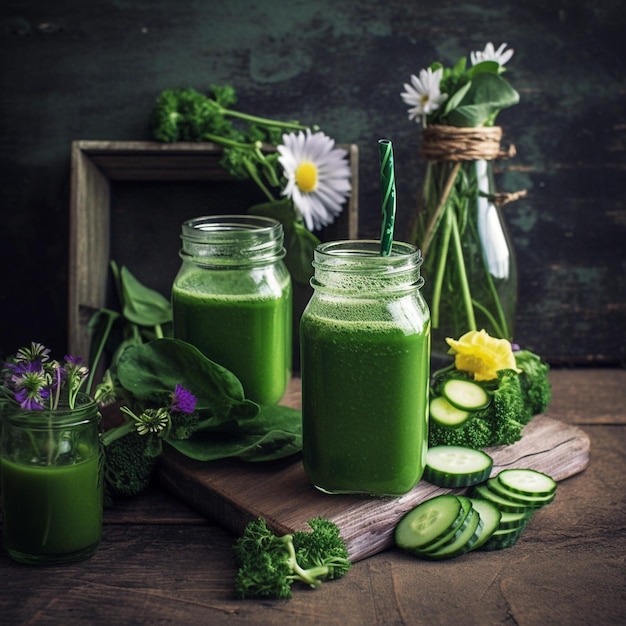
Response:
column 306, row 176
column 424, row 99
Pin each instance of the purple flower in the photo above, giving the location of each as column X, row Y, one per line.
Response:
column 31, row 399
column 35, row 382
column 183, row 400
column 76, row 361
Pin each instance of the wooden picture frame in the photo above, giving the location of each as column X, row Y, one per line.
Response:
column 96, row 166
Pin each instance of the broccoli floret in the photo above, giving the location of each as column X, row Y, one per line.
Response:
column 475, row 433
column 322, row 548
column 128, row 465
column 500, row 423
column 269, row 564
column 507, row 409
column 535, row 382
column 183, row 425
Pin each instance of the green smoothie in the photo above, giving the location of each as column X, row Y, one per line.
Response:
column 249, row 334
column 52, row 510
column 364, row 404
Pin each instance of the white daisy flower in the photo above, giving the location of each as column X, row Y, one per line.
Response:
column 318, row 176
column 423, row 94
column 500, row 55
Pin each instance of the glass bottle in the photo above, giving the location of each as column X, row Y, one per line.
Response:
column 51, row 482
column 232, row 299
column 469, row 262
column 365, row 339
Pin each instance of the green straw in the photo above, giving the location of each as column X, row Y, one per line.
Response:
column 388, row 188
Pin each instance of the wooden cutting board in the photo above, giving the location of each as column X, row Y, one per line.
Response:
column 233, row 492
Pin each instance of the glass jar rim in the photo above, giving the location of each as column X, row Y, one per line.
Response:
column 232, row 241
column 357, row 266
column 363, row 255
column 224, row 227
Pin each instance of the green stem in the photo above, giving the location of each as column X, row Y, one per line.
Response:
column 262, row 121
column 229, row 143
column 99, row 350
column 116, row 433
column 497, row 328
column 432, row 225
column 270, row 171
column 255, row 177
column 158, row 331
column 465, row 289
column 255, row 150
column 136, row 334
column 441, row 269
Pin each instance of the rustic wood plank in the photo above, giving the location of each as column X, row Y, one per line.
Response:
column 233, row 493
column 88, row 247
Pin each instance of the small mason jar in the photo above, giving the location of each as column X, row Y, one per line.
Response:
column 232, row 300
column 365, row 348
column 51, row 482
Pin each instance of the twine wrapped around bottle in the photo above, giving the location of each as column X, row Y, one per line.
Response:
column 459, row 143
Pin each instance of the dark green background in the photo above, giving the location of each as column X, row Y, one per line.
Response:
column 76, row 69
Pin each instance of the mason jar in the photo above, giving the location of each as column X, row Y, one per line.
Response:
column 365, row 342
column 232, row 299
column 51, row 482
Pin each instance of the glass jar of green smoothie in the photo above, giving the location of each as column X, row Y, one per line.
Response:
column 51, row 482
column 365, row 348
column 232, row 300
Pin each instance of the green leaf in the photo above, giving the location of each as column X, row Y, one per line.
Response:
column 142, row 305
column 275, row 433
column 459, row 66
column 99, row 326
column 484, row 67
column 487, row 95
column 454, row 101
column 152, row 369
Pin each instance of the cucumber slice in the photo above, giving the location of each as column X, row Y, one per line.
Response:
column 496, row 486
column 429, row 521
column 465, row 395
column 454, row 533
column 527, row 482
column 456, row 466
column 446, row 414
column 502, row 539
column 504, row 504
column 463, row 543
column 514, row 520
column 490, row 517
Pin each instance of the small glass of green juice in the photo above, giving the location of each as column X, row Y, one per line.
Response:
column 51, row 483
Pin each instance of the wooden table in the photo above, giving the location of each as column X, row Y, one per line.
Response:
column 160, row 562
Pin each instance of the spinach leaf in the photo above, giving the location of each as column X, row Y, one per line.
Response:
column 152, row 369
column 276, row 432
